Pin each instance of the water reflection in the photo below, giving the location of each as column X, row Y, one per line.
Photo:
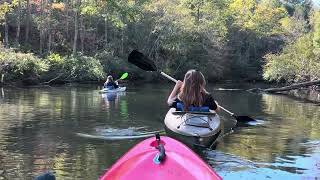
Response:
column 38, row 126
column 231, row 166
column 115, row 103
column 277, row 146
column 114, row 97
column 107, row 97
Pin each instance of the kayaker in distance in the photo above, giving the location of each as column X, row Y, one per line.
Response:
column 192, row 92
column 110, row 84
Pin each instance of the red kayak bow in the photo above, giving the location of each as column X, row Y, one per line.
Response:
column 165, row 159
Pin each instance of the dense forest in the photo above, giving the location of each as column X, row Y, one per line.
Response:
column 51, row 41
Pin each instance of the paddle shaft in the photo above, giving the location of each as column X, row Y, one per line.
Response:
column 226, row 110
column 174, row 80
column 169, row 77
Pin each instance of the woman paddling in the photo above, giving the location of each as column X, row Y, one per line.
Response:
column 110, row 84
column 191, row 93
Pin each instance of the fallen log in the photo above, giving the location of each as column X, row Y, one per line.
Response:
column 286, row 88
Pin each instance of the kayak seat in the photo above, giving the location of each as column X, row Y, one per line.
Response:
column 196, row 120
column 201, row 121
column 180, row 107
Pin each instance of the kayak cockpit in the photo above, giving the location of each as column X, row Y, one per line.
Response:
column 193, row 128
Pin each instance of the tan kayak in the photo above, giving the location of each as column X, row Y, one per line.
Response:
column 193, row 128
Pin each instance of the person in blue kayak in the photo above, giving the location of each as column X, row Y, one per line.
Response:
column 110, row 83
column 191, row 93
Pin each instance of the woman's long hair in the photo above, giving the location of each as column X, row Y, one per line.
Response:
column 192, row 91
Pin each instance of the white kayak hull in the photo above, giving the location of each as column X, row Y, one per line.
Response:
column 106, row 90
column 193, row 128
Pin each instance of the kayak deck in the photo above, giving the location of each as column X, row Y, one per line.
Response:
column 193, row 128
column 179, row 163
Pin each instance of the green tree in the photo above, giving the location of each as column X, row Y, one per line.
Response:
column 296, row 63
column 262, row 17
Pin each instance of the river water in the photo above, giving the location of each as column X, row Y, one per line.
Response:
column 39, row 126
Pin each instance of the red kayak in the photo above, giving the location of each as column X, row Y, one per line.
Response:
column 160, row 159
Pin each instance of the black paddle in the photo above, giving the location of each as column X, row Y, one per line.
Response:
column 143, row 62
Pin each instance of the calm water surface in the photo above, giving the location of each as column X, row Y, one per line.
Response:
column 38, row 129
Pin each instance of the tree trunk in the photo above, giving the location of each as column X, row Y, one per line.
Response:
column 19, row 24
column 98, row 4
column 41, row 27
column 6, row 31
column 49, row 29
column 82, row 34
column 49, row 42
column 97, row 37
column 122, row 41
column 287, row 88
column 66, row 2
column 28, row 21
column 106, row 30
column 76, row 29
column 198, row 15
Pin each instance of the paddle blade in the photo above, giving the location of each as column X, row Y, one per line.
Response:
column 244, row 118
column 140, row 60
column 124, row 76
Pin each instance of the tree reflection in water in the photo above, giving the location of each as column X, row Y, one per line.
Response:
column 38, row 126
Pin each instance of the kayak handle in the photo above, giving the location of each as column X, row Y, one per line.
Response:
column 162, row 153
